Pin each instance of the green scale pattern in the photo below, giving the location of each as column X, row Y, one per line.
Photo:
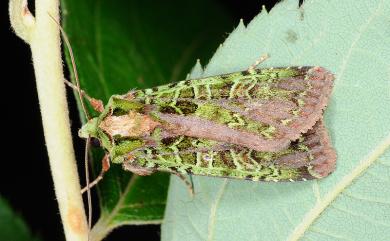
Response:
column 222, row 160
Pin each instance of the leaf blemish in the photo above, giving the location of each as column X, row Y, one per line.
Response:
column 292, row 36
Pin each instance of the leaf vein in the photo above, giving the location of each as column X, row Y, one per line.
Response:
column 347, row 180
column 359, row 215
column 213, row 210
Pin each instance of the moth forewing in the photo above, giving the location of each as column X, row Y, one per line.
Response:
column 263, row 110
column 262, row 124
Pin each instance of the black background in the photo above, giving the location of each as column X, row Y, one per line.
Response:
column 25, row 179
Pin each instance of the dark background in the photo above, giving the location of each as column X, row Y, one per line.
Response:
column 25, row 180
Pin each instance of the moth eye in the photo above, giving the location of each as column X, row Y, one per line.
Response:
column 207, row 157
column 95, row 142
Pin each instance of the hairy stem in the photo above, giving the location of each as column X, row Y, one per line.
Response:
column 42, row 34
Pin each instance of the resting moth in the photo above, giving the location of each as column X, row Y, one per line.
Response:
column 259, row 124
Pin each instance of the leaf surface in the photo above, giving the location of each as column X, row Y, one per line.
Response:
column 352, row 40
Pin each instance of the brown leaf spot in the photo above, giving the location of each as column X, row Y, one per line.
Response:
column 76, row 221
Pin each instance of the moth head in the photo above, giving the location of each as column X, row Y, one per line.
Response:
column 89, row 129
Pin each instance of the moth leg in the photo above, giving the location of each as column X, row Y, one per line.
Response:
column 251, row 68
column 105, row 167
column 189, row 184
column 137, row 169
column 95, row 103
column 145, row 171
column 192, row 184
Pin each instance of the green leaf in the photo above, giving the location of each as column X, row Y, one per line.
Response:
column 122, row 45
column 352, row 39
column 12, row 226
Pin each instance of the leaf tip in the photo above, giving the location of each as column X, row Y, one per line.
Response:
column 196, row 71
column 264, row 9
column 241, row 24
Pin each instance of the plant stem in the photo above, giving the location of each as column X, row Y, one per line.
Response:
column 42, row 34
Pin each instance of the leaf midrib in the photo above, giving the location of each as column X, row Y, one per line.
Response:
column 346, row 181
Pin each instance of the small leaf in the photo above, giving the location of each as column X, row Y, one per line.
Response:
column 123, row 45
column 351, row 39
column 12, row 226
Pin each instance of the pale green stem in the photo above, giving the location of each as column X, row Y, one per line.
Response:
column 42, row 34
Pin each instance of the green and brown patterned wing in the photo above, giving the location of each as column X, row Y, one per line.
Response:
column 263, row 111
column 309, row 157
column 259, row 125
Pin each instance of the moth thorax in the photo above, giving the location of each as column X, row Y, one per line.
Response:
column 132, row 124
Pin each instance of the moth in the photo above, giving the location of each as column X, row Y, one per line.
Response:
column 258, row 124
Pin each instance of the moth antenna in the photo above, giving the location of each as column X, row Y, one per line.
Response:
column 189, row 184
column 74, row 68
column 80, row 92
column 192, row 184
column 95, row 103
column 88, row 189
